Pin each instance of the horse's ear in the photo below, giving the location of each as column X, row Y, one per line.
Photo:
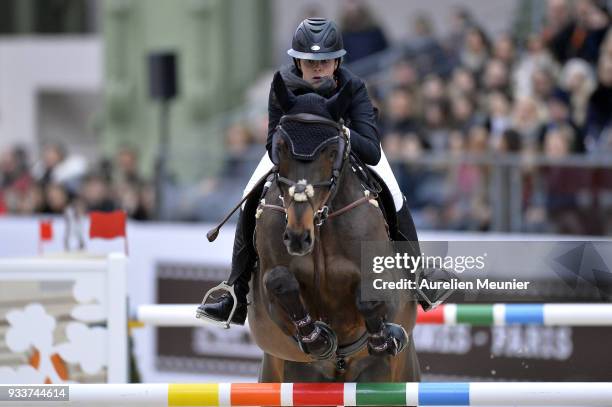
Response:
column 286, row 98
column 339, row 103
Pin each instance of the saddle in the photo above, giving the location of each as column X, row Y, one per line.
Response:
column 372, row 182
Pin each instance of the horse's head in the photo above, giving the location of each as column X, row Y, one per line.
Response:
column 309, row 148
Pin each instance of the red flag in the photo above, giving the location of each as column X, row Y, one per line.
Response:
column 45, row 230
column 107, row 225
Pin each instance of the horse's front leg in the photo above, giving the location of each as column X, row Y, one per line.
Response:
column 314, row 337
column 385, row 338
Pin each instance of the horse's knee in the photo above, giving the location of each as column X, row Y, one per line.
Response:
column 280, row 281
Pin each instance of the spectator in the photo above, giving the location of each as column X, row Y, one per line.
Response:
column 400, row 113
column 499, row 119
column 96, row 194
column 598, row 135
column 475, row 50
column 536, row 57
column 578, row 79
column 504, row 50
column 362, row 35
column 582, row 35
column 559, row 116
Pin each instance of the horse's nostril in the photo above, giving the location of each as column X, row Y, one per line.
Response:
column 307, row 238
column 286, row 236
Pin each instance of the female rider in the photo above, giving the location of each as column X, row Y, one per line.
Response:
column 317, row 52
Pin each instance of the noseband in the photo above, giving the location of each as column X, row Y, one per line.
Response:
column 302, row 190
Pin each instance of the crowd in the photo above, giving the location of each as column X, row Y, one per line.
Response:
column 480, row 102
column 498, row 109
column 58, row 180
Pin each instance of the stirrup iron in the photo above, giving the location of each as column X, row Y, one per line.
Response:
column 223, row 286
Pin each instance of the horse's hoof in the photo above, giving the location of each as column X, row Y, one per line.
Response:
column 321, row 344
column 392, row 340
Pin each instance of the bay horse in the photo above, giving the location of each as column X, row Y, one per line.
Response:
column 306, row 311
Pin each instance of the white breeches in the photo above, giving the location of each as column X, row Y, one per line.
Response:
column 383, row 169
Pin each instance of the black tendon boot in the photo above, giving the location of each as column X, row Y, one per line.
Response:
column 427, row 298
column 243, row 261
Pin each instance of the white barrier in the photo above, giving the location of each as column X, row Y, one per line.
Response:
column 183, row 315
column 298, row 394
column 65, row 315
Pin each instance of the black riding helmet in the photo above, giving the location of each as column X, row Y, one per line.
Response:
column 316, row 39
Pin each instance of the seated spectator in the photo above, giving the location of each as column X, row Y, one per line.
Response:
column 56, row 198
column 563, row 183
column 578, row 79
column 400, row 112
column 96, row 194
column 536, row 57
column 499, row 119
column 436, row 126
column 496, row 77
column 126, row 164
column 504, row 50
column 598, row 137
column 463, row 113
column 361, row 34
column 582, row 35
column 475, row 51
column 526, row 121
column 462, row 83
column 559, row 115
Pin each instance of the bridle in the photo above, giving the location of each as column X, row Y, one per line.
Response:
column 302, row 190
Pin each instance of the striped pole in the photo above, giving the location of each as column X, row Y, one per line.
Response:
column 322, row 394
column 176, row 315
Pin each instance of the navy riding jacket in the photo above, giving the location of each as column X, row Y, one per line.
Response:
column 359, row 117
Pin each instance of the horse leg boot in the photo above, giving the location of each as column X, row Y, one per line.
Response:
column 384, row 338
column 427, row 298
column 315, row 338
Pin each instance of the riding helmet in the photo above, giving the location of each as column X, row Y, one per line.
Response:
column 317, row 39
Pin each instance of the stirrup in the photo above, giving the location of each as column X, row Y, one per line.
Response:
column 223, row 286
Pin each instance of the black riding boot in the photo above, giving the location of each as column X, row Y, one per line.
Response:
column 427, row 298
column 243, row 261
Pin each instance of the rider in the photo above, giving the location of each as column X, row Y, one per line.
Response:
column 317, row 52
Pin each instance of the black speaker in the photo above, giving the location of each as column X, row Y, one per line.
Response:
column 162, row 75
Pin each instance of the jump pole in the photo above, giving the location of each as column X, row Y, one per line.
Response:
column 600, row 314
column 301, row 394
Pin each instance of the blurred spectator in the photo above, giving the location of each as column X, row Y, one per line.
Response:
column 504, row 50
column 16, row 182
column 126, row 162
column 536, row 57
column 436, row 126
column 56, row 198
column 96, row 194
column 400, row 113
column 499, row 119
column 582, row 34
column 362, row 35
column 598, row 138
column 462, row 112
column 563, row 183
column 475, row 50
column 526, row 121
column 578, row 79
column 496, row 77
column 463, row 84
column 424, row 50
column 57, row 167
column 559, row 115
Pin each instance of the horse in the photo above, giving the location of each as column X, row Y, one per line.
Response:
column 305, row 307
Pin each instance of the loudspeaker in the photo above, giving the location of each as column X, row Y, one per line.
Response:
column 162, row 76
